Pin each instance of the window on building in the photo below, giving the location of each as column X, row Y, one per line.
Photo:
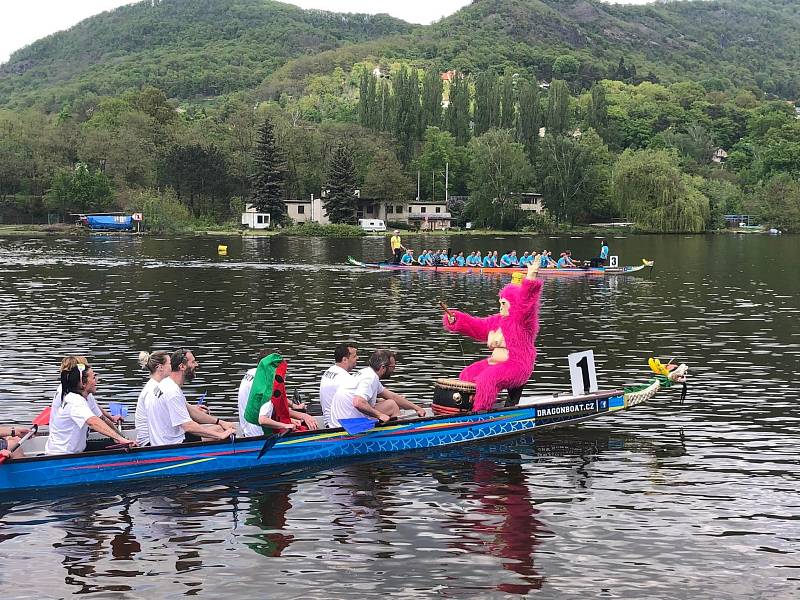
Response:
column 259, row 219
column 422, row 209
column 409, row 209
column 389, row 209
column 438, row 209
column 399, row 209
column 301, row 210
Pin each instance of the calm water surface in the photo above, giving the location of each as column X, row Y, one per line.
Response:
column 698, row 500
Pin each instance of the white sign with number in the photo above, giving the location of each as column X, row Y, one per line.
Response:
column 582, row 373
column 613, row 261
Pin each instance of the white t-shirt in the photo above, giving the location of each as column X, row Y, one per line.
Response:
column 166, row 412
column 330, row 382
column 266, row 410
column 140, row 418
column 365, row 384
column 68, row 426
column 90, row 400
column 248, row 429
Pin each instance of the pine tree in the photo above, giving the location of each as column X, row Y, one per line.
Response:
column 269, row 180
column 341, row 202
column 530, row 119
column 431, row 99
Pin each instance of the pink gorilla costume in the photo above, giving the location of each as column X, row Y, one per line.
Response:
column 511, row 339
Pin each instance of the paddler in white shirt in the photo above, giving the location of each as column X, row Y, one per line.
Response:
column 72, row 417
column 359, row 397
column 345, row 358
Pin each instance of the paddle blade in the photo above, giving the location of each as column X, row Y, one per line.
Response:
column 357, row 425
column 270, row 442
column 43, row 418
column 117, row 409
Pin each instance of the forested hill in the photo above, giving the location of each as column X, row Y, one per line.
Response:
column 750, row 42
column 188, row 48
column 207, row 48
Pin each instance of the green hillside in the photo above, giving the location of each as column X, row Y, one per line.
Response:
column 740, row 43
column 206, row 48
column 188, row 48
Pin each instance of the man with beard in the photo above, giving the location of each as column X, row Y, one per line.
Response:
column 171, row 419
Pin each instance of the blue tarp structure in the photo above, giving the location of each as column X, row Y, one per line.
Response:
column 110, row 222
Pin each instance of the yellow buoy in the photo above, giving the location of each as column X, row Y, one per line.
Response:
column 222, row 250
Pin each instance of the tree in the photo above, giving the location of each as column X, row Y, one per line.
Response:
column 597, row 112
column 649, row 188
column 776, row 203
column 438, row 150
column 457, row 115
column 269, row 179
column 431, row 99
column 385, row 179
column 498, row 169
column 80, row 190
column 576, row 175
column 557, row 116
column 530, row 118
column 508, row 102
column 487, row 102
column 406, row 112
column 340, row 200
column 565, row 65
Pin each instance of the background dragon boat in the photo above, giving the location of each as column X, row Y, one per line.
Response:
column 548, row 272
column 117, row 466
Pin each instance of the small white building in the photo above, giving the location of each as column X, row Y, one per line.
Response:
column 720, row 156
column 255, row 220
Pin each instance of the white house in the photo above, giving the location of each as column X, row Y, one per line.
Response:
column 254, row 219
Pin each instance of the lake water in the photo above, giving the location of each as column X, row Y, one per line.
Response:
column 693, row 500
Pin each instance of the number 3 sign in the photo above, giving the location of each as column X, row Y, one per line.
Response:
column 582, row 373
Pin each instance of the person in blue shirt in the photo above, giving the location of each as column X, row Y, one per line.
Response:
column 601, row 260
column 524, row 259
column 452, row 262
column 408, row 257
column 565, row 261
column 513, row 258
column 422, row 259
column 460, row 260
column 505, row 260
column 487, row 260
column 443, row 260
column 478, row 259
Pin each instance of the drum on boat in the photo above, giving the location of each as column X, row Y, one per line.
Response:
column 452, row 396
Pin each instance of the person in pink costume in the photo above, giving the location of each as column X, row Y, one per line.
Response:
column 510, row 335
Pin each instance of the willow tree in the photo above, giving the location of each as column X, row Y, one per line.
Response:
column 650, row 189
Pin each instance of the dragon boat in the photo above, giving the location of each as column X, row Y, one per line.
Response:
column 544, row 272
column 324, row 446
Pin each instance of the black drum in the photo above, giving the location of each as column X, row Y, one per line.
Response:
column 452, row 396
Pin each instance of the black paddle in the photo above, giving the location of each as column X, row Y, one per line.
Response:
column 270, row 442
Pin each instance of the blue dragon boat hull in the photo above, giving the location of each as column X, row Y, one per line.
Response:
column 307, row 448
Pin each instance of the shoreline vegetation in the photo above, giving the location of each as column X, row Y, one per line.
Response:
column 472, row 110
column 330, row 231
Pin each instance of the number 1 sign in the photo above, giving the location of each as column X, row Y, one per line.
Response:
column 582, row 373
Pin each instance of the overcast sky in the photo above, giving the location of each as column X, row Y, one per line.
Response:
column 23, row 22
